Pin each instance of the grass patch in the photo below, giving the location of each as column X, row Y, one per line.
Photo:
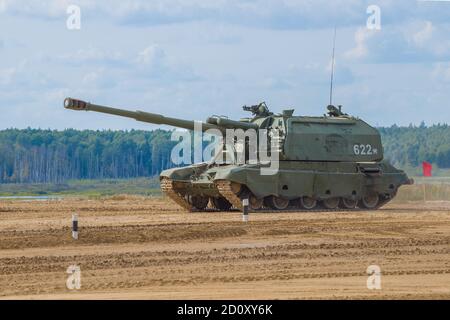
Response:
column 88, row 188
column 421, row 192
column 432, row 189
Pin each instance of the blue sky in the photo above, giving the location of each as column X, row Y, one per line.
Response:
column 195, row 58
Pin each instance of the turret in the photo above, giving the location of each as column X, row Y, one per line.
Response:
column 336, row 137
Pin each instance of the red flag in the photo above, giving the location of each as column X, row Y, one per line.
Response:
column 427, row 167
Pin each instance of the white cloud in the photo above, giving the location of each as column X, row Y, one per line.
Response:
column 13, row 74
column 422, row 36
column 153, row 62
column 90, row 77
column 91, row 55
column 49, row 9
column 413, row 41
column 99, row 79
column 6, row 75
column 441, row 72
column 277, row 14
column 360, row 50
column 152, row 55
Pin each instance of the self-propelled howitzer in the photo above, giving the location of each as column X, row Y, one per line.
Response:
column 332, row 162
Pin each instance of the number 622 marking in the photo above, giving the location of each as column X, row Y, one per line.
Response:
column 363, row 149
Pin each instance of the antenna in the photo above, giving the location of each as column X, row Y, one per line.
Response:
column 332, row 67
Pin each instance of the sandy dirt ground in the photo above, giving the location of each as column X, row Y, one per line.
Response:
column 141, row 248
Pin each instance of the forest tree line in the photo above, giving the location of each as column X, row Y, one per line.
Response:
column 46, row 156
column 36, row 156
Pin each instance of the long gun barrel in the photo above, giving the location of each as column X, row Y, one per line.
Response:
column 75, row 104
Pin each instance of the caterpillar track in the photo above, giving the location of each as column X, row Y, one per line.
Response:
column 317, row 209
column 167, row 187
column 225, row 189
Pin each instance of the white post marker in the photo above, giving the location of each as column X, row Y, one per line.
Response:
column 245, row 210
column 75, row 226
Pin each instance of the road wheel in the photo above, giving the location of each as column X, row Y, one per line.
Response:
column 370, row 201
column 199, row 202
column 348, row 203
column 255, row 203
column 308, row 203
column 277, row 203
column 331, row 203
column 221, row 204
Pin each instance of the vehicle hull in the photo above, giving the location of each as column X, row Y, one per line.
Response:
column 293, row 180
